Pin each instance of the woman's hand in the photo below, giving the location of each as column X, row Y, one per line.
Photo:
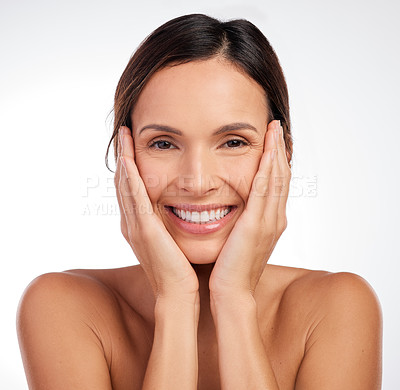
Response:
column 168, row 270
column 242, row 357
column 172, row 278
column 245, row 253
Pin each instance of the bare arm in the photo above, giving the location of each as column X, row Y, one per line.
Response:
column 243, row 360
column 343, row 351
column 173, row 362
column 173, row 359
column 64, row 324
column 58, row 335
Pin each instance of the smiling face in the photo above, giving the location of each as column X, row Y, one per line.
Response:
column 199, row 131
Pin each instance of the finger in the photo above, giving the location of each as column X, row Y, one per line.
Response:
column 131, row 182
column 126, row 142
column 261, row 182
column 282, row 155
column 282, row 179
column 281, row 183
column 283, row 165
column 129, row 175
column 270, row 212
column 119, row 169
column 134, row 196
column 117, row 176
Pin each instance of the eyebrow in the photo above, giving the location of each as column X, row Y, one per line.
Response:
column 220, row 130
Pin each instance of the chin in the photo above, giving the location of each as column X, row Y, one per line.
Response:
column 201, row 252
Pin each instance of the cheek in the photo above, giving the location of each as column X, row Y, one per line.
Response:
column 154, row 174
column 240, row 175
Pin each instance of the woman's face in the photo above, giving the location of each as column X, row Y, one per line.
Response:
column 198, row 132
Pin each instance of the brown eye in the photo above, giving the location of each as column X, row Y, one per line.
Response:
column 236, row 143
column 161, row 144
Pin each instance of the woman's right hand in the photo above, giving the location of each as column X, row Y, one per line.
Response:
column 167, row 268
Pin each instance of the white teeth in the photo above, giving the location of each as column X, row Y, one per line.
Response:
column 202, row 217
column 195, row 217
column 212, row 214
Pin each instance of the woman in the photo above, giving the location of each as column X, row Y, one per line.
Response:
column 203, row 148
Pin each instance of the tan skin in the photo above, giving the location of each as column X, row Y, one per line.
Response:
column 201, row 311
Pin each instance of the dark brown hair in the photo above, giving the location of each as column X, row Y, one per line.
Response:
column 197, row 37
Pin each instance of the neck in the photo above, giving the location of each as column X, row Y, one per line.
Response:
column 203, row 272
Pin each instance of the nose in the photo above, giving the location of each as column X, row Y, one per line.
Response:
column 198, row 172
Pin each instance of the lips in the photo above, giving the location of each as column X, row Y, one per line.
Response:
column 198, row 219
column 204, row 216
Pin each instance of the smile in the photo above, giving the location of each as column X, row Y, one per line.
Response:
column 201, row 217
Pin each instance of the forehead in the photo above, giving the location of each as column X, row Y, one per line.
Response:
column 206, row 91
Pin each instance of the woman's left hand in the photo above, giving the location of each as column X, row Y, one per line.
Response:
column 245, row 253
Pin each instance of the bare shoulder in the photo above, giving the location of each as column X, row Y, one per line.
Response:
column 330, row 299
column 58, row 299
column 94, row 297
column 56, row 332
column 70, row 325
column 327, row 292
column 342, row 319
column 67, row 290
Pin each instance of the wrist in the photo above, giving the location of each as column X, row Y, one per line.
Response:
column 232, row 296
column 232, row 303
column 173, row 305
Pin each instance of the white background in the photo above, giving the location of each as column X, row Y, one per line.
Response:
column 60, row 64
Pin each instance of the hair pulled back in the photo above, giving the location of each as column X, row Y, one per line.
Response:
column 197, row 37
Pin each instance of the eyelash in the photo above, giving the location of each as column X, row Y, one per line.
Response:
column 152, row 144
